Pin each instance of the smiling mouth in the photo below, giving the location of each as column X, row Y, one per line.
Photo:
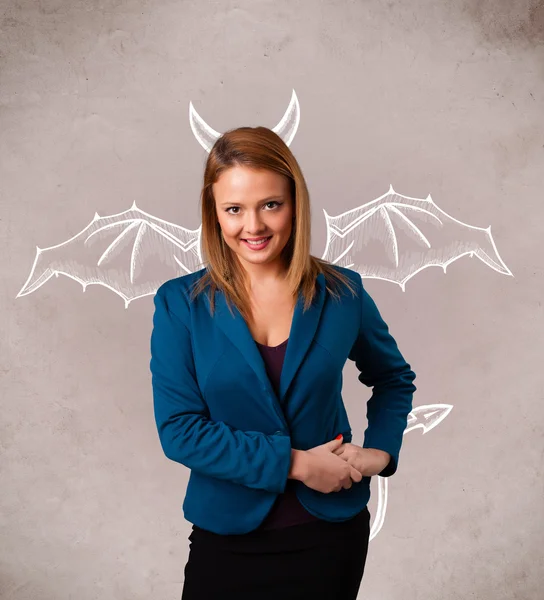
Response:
column 257, row 241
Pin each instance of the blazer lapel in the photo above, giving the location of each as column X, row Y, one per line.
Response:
column 238, row 333
column 303, row 329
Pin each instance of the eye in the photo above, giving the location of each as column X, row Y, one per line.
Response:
column 273, row 202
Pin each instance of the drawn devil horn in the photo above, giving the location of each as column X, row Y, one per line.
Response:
column 286, row 128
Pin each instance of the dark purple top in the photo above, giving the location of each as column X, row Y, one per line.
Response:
column 287, row 510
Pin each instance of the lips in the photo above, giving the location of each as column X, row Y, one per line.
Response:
column 255, row 240
column 263, row 243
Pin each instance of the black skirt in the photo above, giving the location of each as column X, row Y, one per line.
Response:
column 310, row 561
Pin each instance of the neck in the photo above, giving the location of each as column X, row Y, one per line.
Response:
column 257, row 276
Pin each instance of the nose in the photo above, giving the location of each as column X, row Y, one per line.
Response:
column 254, row 224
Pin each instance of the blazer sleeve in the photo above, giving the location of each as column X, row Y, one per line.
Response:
column 187, row 435
column 383, row 368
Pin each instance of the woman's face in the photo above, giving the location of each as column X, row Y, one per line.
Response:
column 252, row 204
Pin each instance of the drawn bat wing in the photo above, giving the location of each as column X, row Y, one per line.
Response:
column 131, row 253
column 394, row 237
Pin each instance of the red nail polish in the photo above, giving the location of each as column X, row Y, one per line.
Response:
column 338, row 436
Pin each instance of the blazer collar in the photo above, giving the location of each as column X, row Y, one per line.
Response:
column 303, row 329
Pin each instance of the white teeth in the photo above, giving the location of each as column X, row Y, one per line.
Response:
column 257, row 242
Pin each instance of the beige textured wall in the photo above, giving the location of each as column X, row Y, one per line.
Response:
column 440, row 98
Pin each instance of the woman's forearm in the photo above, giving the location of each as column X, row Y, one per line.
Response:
column 298, row 465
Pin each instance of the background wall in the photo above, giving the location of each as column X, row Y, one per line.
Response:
column 440, row 98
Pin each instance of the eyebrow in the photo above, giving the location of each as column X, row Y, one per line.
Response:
column 263, row 201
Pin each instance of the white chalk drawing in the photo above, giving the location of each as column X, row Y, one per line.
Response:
column 412, row 233
column 391, row 238
column 426, row 416
column 121, row 253
column 286, row 128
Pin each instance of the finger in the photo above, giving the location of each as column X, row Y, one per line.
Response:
column 355, row 474
column 340, row 450
column 348, row 483
column 334, row 444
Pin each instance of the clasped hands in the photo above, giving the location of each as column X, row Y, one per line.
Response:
column 334, row 466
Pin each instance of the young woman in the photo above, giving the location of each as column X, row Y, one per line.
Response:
column 247, row 357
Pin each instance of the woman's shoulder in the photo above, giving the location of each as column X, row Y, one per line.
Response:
column 181, row 283
column 177, row 291
column 341, row 279
column 350, row 273
column 331, row 269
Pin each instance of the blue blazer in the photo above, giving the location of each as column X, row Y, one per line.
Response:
column 217, row 413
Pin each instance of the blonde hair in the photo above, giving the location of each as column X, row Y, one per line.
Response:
column 259, row 148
